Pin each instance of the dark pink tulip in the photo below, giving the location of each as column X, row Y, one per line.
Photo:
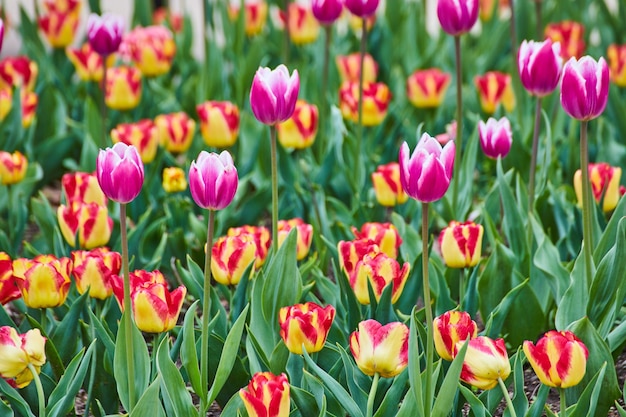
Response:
column 105, row 33
column 425, row 175
column 274, row 94
column 585, row 87
column 327, row 11
column 540, row 66
column 457, row 16
column 213, row 180
column 495, row 137
column 120, row 172
column 361, row 8
column 1, row 33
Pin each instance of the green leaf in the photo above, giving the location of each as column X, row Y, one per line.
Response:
column 358, row 389
column 5, row 410
column 445, row 398
column 18, row 404
column 305, row 402
column 539, row 401
column 188, row 352
column 547, row 260
column 399, row 389
column 415, row 371
column 172, row 384
column 573, row 305
column 150, row 404
column 477, row 406
column 586, row 404
column 63, row 335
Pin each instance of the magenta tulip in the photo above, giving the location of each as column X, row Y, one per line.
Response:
column 213, row 180
column 457, row 16
column 105, row 33
column 585, row 87
column 361, row 8
column 327, row 11
column 540, row 66
column 495, row 137
column 120, row 172
column 1, row 33
column 274, row 94
column 425, row 175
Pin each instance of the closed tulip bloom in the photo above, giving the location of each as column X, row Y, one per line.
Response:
column 259, row 235
column 496, row 137
column 59, row 22
column 18, row 351
column 380, row 349
column 540, row 66
column 175, row 131
column 93, row 271
column 461, row 244
column 174, row 180
column 274, row 94
column 12, row 167
column 123, row 88
column 361, row 8
column 385, row 235
column 494, row 88
column 303, row 27
column 83, row 187
column 585, row 87
column 605, row 180
column 559, row 359
column 255, row 14
column 425, row 175
column 143, row 135
column 87, row 62
column 376, row 97
column 486, row 9
column 327, row 11
column 617, row 63
column 387, row 187
column 8, row 288
column 351, row 252
column 349, row 67
column 305, row 325
column 485, row 361
column 105, row 33
column 90, row 221
column 44, row 281
column 304, row 233
column 570, row 35
column 378, row 271
column 219, row 123
column 213, row 180
column 120, row 172
column 267, row 395
column 29, row 102
column 2, row 33
column 231, row 256
column 426, row 88
column 449, row 329
column 457, row 16
column 299, row 131
column 18, row 72
column 151, row 49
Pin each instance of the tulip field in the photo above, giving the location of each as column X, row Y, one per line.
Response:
column 365, row 208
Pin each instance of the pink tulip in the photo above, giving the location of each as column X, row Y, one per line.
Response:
column 361, row 8
column 105, row 33
column 120, row 172
column 213, row 180
column 457, row 16
column 540, row 66
column 274, row 94
column 327, row 11
column 495, row 137
column 585, row 87
column 1, row 32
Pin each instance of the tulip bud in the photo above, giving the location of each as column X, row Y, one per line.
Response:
column 585, row 87
column 12, row 167
column 175, row 131
column 449, row 329
column 304, row 234
column 385, row 235
column 255, row 14
column 485, row 361
column 361, row 8
column 89, row 220
column 457, row 16
column 305, row 324
column 151, row 49
column 219, row 123
column 300, row 129
column 426, row 88
column 231, row 256
column 495, row 137
column 303, row 27
column 44, row 281
column 494, row 88
column 105, row 33
column 327, row 11
column 59, row 23
column 570, row 35
column 1, row 33
column 123, row 88
column 540, row 66
column 461, row 244
column 349, row 67
column 83, row 187
column 378, row 271
column 274, row 94
column 267, row 395
column 29, row 105
column 87, row 62
column 8, row 288
column 174, row 180
column 387, row 187
column 18, row 72
column 617, row 64
column 604, row 184
column 351, row 252
column 380, row 349
column 120, row 172
column 259, row 235
column 18, row 351
column 213, row 180
column 93, row 271
column 425, row 175
column 559, row 359
column 376, row 97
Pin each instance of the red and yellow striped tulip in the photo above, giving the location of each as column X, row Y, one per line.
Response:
column 83, row 187
column 44, row 281
column 93, row 271
column 494, row 88
column 174, row 180
column 18, row 351
column 143, row 134
column 255, row 14
column 29, row 105
column 461, row 244
column 300, row 129
column 151, row 49
column 570, row 35
column 90, row 221
column 123, row 88
column 349, row 67
column 449, row 329
column 259, row 235
column 376, row 97
column 351, row 252
column 385, row 235
column 175, row 131
column 605, row 186
column 18, row 72
column 231, row 256
column 303, row 26
column 267, row 395
column 485, row 361
column 426, row 88
column 387, row 186
column 304, row 233
column 380, row 349
column 219, row 123
column 378, row 271
column 88, row 63
column 12, row 167
column 305, row 325
column 617, row 63
column 60, row 21
column 8, row 288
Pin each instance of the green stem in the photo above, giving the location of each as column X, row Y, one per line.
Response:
column 40, row 395
column 507, row 398
column 533, row 158
column 372, row 395
column 359, row 138
column 128, row 321
column 103, row 106
column 459, row 124
column 324, row 108
column 464, row 277
column 513, row 36
column 206, row 312
column 42, row 321
column 563, row 408
column 429, row 312
column 274, row 162
column 538, row 17
column 287, row 34
column 587, row 207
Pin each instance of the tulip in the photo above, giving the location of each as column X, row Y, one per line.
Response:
column 93, row 271
column 143, row 135
column 617, row 64
column 448, row 135
column 120, row 172
column 303, row 27
column 485, row 362
column 495, row 137
column 267, row 395
column 387, row 187
column 123, row 88
column 89, row 221
column 274, row 94
column 174, row 180
column 305, row 326
column 18, row 72
column 164, row 17
column 570, row 35
column 426, row 88
column 385, row 235
column 376, row 98
column 327, row 11
column 105, row 33
column 486, row 9
column 300, row 129
column 259, row 235
column 494, row 87
column 379, row 349
column 425, row 175
column 304, row 233
column 349, row 67
column 461, row 244
column 361, row 8
column 559, row 358
column 175, row 131
column 44, row 281
column 213, row 180
column 151, row 49
column 60, row 21
column 351, row 252
column 87, row 62
column 457, row 16
column 449, row 329
column 604, row 184
column 1, row 33
column 540, row 66
column 29, row 105
column 356, row 23
column 255, row 13
column 219, row 123
column 8, row 288
column 378, row 271
column 18, row 351
column 585, row 87
column 83, row 187
column 12, row 167
column 231, row 256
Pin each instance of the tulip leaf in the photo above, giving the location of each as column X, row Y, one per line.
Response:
column 466, row 176
column 476, row 405
column 305, row 402
column 408, row 407
column 520, row 402
column 357, row 381
column 150, row 404
column 351, row 306
column 414, row 365
column 233, row 407
column 608, row 238
column 52, row 354
column 539, row 401
column 448, row 390
column 63, row 335
column 546, row 260
column 588, row 401
column 190, row 277
column 278, row 358
column 104, row 335
column 399, row 388
column 253, row 347
column 188, row 352
column 5, row 410
column 16, row 401
column 573, row 305
column 172, row 385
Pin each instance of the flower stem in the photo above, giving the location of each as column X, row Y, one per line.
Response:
column 359, row 137
column 128, row 321
column 40, row 395
column 587, row 207
column 538, row 17
column 563, row 407
column 287, row 34
column 513, row 32
column 103, row 106
column 206, row 312
column 533, row 160
column 274, row 161
column 507, row 398
column 324, row 109
column 459, row 124
column 372, row 395
column 462, row 280
column 429, row 312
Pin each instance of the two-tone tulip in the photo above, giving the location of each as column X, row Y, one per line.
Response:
column 12, row 167
column 351, row 252
column 18, row 72
column 143, row 135
column 120, row 172
column 175, row 131
column 89, row 221
column 486, row 361
column 327, row 11
column 299, row 131
column 461, row 244
column 361, row 8
column 426, row 88
column 18, row 351
column 495, row 88
column 303, row 26
column 260, row 235
column 105, row 32
column 83, row 187
column 255, row 14
column 231, row 256
column 540, row 66
column 213, row 180
column 44, row 280
column 426, row 173
column 585, row 87
column 8, row 288
column 559, row 358
column 378, row 271
column 59, row 21
column 379, row 349
column 605, row 180
column 570, row 35
column 304, row 233
column 349, row 67
column 495, row 137
column 29, row 102
column 87, row 62
column 1, row 33
column 387, row 186
column 457, row 16
column 93, row 271
column 174, row 180
column 385, row 235
column 450, row 328
column 151, row 49
column 273, row 94
column 305, row 326
column 267, row 395
column 617, row 63
column 376, row 97
column 123, row 88
column 219, row 123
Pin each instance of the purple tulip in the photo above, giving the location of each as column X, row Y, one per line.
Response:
column 105, row 33
column 585, row 87
column 274, row 94
column 425, row 175
column 540, row 66
column 495, row 137
column 1, row 33
column 457, row 16
column 120, row 172
column 327, row 11
column 361, row 8
column 213, row 180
